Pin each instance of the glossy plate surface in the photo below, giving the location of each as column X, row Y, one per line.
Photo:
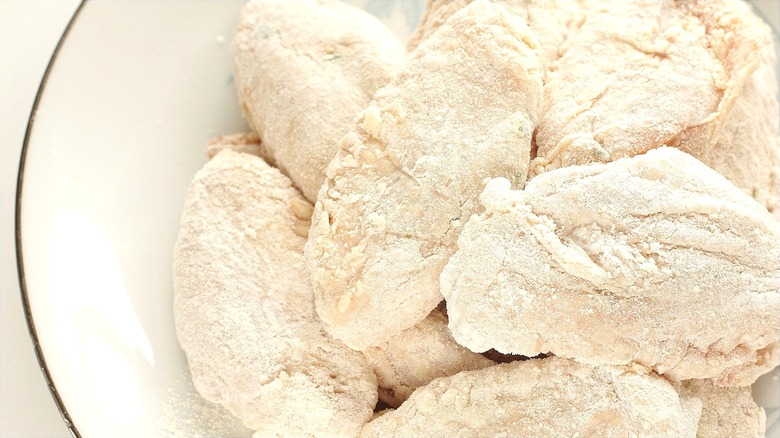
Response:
column 135, row 92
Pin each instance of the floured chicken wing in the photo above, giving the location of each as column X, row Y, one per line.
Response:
column 303, row 70
column 657, row 73
column 747, row 151
column 418, row 355
column 542, row 398
column 244, row 308
column 625, row 76
column 656, row 260
column 726, row 412
column 461, row 110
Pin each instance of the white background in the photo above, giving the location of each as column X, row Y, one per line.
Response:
column 29, row 31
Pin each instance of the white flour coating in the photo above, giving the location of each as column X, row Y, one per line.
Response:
column 304, row 69
column 244, row 308
column 418, row 355
column 726, row 412
column 656, row 260
column 698, row 75
column 461, row 110
column 543, row 398
column 248, row 143
column 436, row 13
column 748, row 147
column 551, row 21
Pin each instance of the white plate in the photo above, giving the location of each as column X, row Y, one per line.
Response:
column 136, row 90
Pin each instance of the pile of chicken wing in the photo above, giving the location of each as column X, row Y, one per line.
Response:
column 540, row 218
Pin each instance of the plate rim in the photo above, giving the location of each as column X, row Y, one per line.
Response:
column 18, row 229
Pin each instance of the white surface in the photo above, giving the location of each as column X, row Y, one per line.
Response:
column 138, row 332
column 29, row 31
